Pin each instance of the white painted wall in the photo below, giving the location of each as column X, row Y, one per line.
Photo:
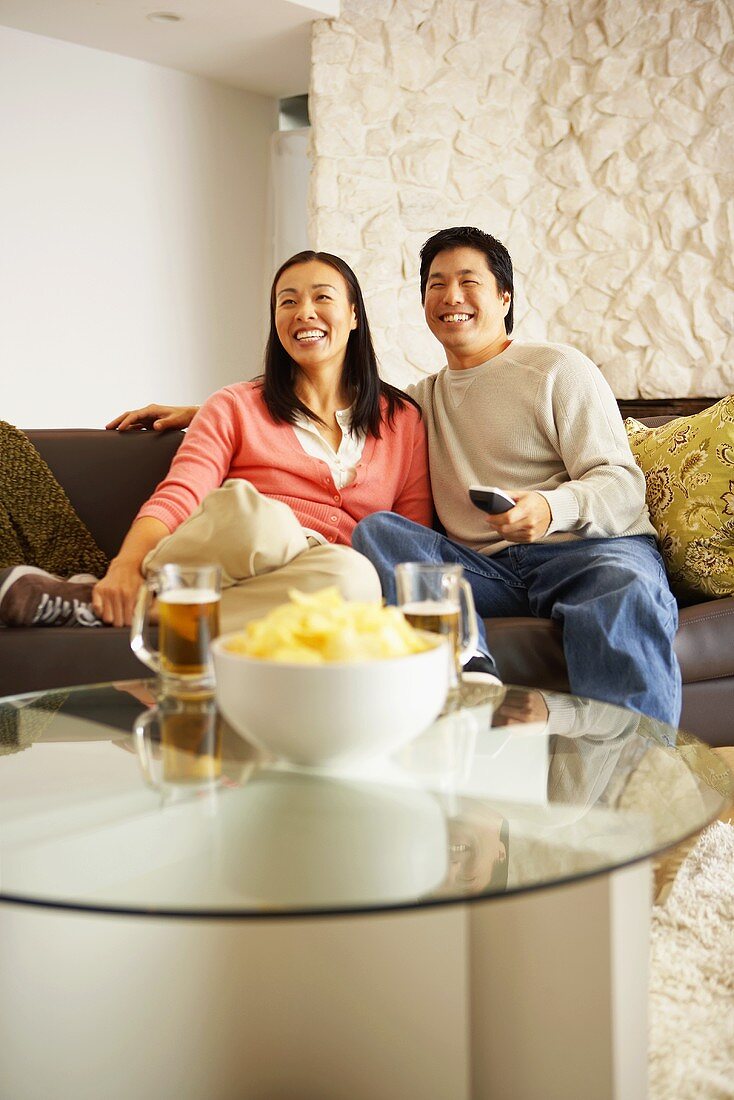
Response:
column 290, row 175
column 134, row 254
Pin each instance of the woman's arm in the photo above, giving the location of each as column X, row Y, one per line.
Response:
column 414, row 501
column 200, row 465
column 114, row 596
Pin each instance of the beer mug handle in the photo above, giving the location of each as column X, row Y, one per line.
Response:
column 142, row 746
column 138, row 642
column 469, row 628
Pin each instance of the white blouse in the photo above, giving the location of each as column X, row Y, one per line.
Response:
column 342, row 462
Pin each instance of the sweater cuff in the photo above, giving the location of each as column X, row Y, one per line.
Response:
column 562, row 712
column 564, row 509
column 168, row 516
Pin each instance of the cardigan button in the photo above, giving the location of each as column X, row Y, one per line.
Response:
column 334, row 519
column 336, row 497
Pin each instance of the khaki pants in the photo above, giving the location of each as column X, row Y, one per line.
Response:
column 263, row 552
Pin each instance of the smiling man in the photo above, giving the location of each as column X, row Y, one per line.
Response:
column 538, row 421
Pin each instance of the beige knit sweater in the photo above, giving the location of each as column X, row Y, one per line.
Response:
column 537, row 416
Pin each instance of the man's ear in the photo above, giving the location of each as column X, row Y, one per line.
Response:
column 506, row 300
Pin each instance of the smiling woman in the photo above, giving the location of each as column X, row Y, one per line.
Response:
column 318, row 320
column 274, row 474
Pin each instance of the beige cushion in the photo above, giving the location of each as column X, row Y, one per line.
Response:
column 688, row 465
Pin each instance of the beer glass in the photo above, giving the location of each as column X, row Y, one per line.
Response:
column 438, row 599
column 187, row 598
column 188, row 753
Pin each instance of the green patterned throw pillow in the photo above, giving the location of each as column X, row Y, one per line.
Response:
column 688, row 465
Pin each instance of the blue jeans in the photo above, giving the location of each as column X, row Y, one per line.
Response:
column 609, row 596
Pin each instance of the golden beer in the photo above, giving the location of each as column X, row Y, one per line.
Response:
column 435, row 596
column 191, row 745
column 438, row 617
column 188, row 621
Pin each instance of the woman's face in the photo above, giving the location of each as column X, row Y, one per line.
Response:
column 313, row 314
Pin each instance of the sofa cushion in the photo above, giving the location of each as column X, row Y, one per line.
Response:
column 688, row 465
column 530, row 651
column 63, row 656
column 106, row 475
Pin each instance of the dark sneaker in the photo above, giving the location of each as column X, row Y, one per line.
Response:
column 480, row 669
column 32, row 597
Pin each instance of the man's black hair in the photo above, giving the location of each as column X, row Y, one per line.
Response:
column 466, row 236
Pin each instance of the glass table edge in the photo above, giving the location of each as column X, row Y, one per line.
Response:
column 304, row 913
column 347, row 911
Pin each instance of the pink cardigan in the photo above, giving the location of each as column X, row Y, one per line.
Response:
column 233, row 435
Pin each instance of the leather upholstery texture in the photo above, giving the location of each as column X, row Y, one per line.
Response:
column 107, row 475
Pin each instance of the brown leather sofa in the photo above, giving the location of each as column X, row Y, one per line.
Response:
column 107, row 476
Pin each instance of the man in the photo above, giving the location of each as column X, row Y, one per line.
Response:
column 479, row 843
column 539, row 422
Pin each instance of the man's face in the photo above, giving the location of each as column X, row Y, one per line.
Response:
column 463, row 307
column 475, row 849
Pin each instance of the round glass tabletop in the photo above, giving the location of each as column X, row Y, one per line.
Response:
column 112, row 802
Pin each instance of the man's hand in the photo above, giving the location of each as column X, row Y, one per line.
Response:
column 113, row 598
column 527, row 521
column 161, row 418
column 520, row 706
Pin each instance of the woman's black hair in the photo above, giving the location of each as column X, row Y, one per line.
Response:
column 361, row 378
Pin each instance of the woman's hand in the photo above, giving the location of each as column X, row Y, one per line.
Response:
column 161, row 418
column 113, row 598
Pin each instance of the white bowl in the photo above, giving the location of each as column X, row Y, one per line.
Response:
column 307, row 839
column 319, row 715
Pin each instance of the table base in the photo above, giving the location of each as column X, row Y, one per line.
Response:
column 542, row 996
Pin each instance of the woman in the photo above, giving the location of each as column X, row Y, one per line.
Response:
column 274, row 474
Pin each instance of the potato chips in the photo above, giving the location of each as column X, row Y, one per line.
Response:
column 324, row 628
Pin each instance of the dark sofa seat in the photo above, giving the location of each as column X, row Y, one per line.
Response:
column 530, row 652
column 108, row 475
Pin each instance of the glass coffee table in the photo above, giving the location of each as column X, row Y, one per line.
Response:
column 184, row 917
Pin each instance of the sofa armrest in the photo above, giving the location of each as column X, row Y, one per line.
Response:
column 704, row 643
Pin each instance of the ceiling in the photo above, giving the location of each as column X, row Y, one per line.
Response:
column 259, row 45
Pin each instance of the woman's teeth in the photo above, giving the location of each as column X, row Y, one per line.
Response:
column 310, row 334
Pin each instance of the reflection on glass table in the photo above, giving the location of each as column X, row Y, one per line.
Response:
column 111, row 801
column 383, row 926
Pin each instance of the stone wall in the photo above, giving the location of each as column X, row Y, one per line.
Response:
column 595, row 138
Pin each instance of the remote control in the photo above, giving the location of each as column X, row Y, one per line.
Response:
column 490, row 499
